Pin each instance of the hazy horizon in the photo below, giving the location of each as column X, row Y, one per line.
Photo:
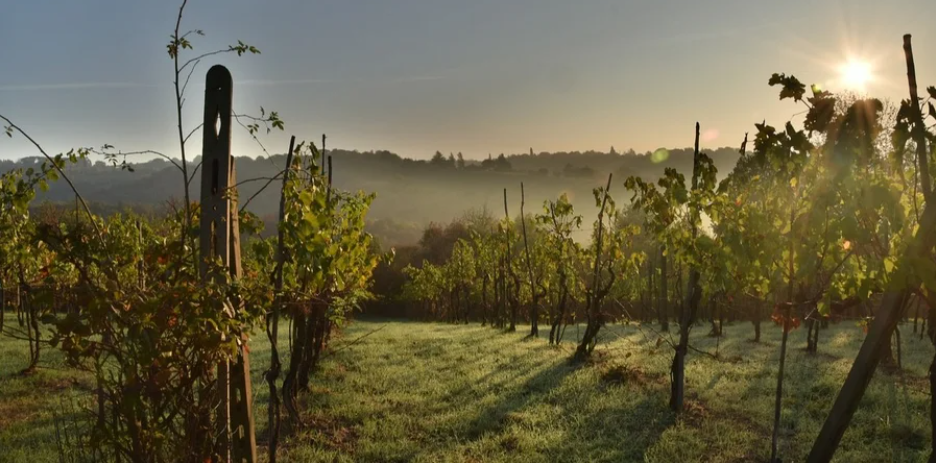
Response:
column 414, row 77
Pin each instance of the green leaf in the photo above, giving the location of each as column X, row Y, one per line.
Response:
column 823, row 308
column 791, row 86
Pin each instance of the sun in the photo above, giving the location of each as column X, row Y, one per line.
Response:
column 856, row 74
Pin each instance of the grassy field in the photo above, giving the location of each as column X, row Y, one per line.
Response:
column 397, row 391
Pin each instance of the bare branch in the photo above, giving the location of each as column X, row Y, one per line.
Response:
column 199, row 126
column 194, row 171
column 193, row 31
column 252, row 135
column 248, row 116
column 189, row 76
column 137, row 153
column 204, row 55
column 187, row 220
column 257, row 179
column 244, row 207
column 61, row 172
column 179, row 20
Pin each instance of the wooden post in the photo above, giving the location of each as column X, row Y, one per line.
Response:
column 220, row 239
column 323, row 154
column 889, row 312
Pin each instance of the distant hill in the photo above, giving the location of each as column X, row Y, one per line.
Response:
column 410, row 193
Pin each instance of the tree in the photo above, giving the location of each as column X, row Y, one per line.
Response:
column 438, row 159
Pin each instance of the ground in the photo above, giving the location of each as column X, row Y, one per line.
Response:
column 396, row 391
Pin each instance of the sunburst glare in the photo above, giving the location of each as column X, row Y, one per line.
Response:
column 856, row 75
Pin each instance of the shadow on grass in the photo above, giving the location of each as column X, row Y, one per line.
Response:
column 494, row 419
column 613, row 430
column 636, row 427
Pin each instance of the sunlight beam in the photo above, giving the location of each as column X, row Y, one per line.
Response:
column 855, row 75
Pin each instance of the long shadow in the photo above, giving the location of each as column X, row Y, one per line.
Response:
column 802, row 384
column 487, row 381
column 806, row 391
column 627, row 432
column 494, row 419
column 465, row 354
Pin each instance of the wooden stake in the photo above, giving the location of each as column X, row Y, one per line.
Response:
column 220, row 239
column 885, row 319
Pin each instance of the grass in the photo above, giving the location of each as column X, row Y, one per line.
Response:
column 427, row 392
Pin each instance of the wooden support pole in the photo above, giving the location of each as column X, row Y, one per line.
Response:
column 323, row 154
column 220, row 239
column 888, row 314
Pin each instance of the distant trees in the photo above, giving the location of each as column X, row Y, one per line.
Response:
column 439, row 160
column 402, row 182
column 571, row 171
column 499, row 164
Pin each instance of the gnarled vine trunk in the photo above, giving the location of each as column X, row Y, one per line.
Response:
column 690, row 308
column 597, row 292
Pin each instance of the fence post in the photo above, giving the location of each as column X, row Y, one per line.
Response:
column 220, row 238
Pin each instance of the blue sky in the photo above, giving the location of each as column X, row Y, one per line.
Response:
column 416, row 76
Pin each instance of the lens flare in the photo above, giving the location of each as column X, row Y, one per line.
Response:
column 659, row 156
column 856, row 74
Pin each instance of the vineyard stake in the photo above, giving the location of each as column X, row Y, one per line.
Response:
column 888, row 315
column 220, row 239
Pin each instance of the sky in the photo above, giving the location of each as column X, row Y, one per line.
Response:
column 477, row 77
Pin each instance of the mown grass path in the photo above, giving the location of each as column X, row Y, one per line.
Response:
column 444, row 393
column 394, row 391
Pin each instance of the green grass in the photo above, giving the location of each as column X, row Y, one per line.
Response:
column 441, row 393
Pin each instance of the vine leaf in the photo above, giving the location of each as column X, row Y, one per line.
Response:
column 792, row 87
